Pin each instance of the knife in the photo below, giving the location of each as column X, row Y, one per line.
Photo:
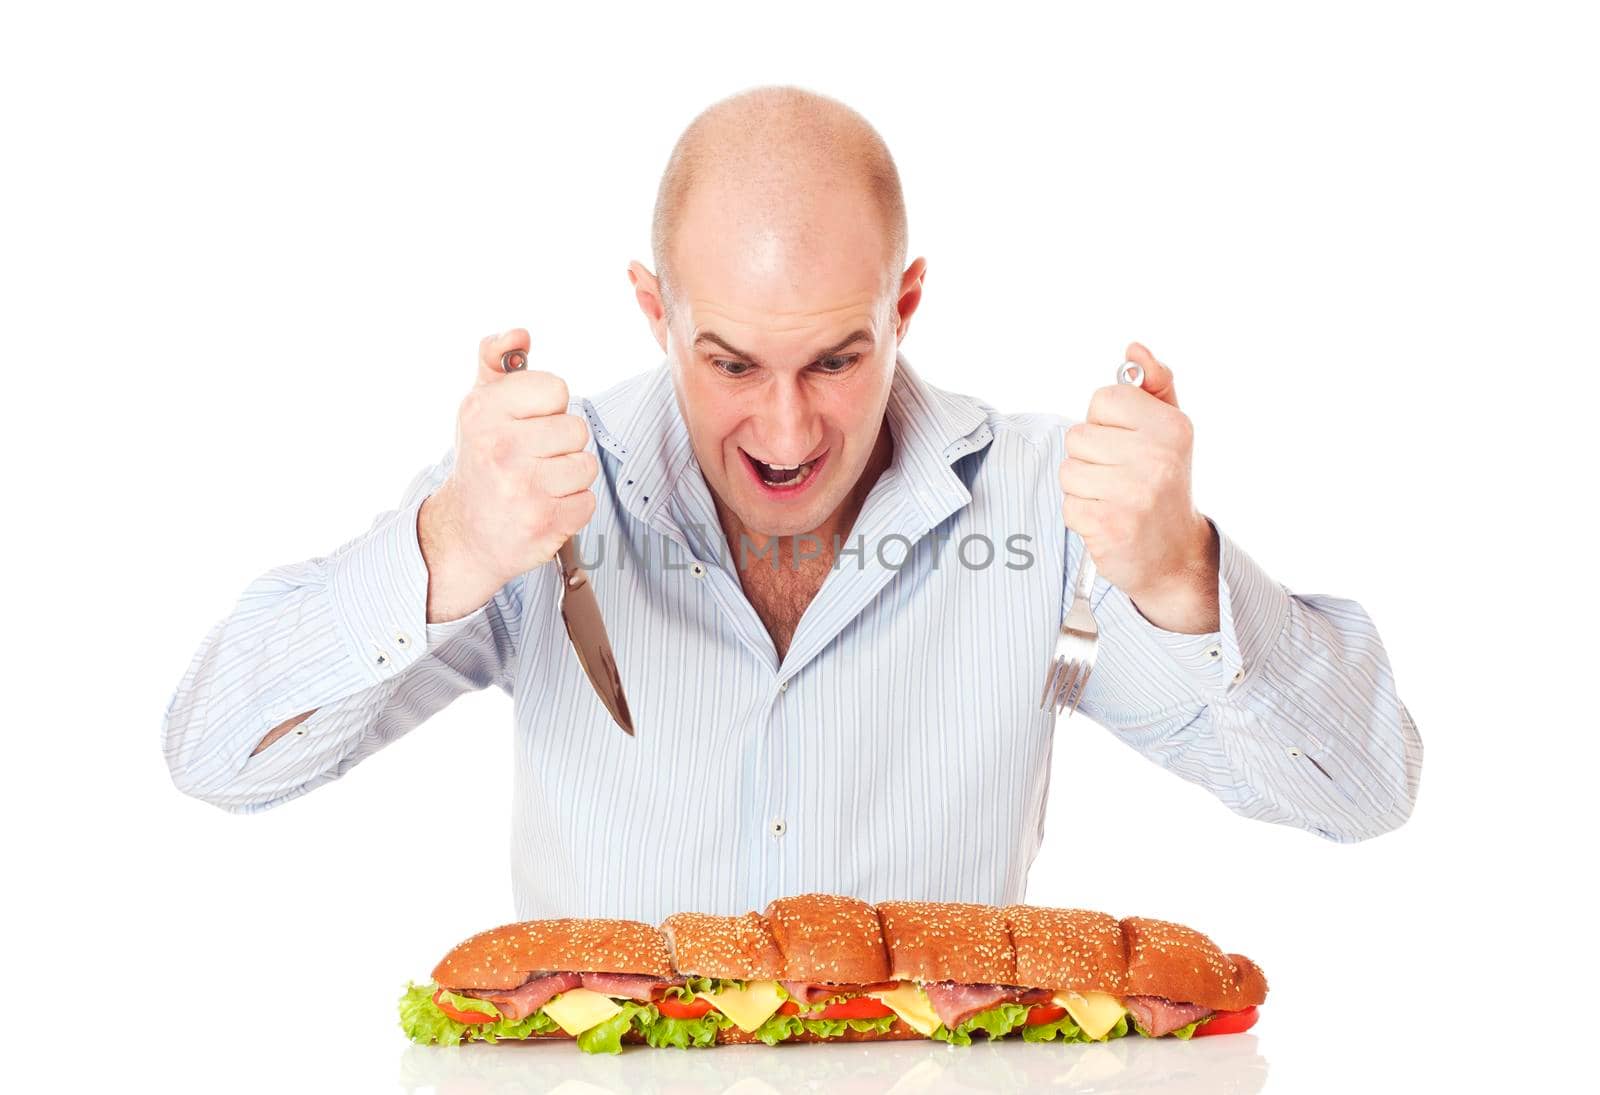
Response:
column 580, row 611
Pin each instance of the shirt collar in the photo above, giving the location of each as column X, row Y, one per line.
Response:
column 932, row 429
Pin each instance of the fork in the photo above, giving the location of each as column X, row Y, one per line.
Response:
column 1068, row 675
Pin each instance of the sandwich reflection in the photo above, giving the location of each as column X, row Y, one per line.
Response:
column 1231, row 1065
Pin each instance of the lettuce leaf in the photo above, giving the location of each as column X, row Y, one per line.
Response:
column 997, row 1022
column 422, row 1021
column 780, row 1027
column 660, row 1031
column 1047, row 1032
column 606, row 1037
column 1070, row 1031
column 694, row 985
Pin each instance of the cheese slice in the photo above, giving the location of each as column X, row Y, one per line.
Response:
column 577, row 1010
column 911, row 1004
column 1095, row 1012
column 748, row 1007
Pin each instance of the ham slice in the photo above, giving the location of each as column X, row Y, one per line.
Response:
column 1029, row 997
column 809, row 992
column 632, row 986
column 955, row 1003
column 522, row 1002
column 1161, row 1016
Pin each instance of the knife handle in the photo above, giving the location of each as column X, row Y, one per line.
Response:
column 573, row 576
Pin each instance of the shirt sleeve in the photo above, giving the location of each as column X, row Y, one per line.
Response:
column 1288, row 713
column 344, row 636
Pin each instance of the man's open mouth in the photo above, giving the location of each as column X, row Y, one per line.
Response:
column 782, row 477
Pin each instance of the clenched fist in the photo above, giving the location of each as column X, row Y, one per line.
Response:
column 519, row 488
column 1125, row 482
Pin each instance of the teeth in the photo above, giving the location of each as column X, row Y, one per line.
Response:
column 785, row 475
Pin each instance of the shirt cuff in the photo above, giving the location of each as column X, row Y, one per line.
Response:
column 380, row 596
column 439, row 634
column 1251, row 612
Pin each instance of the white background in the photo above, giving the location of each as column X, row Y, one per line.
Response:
column 247, row 259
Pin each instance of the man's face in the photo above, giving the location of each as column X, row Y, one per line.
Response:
column 783, row 345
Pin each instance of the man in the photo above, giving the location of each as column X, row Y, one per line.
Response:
column 833, row 590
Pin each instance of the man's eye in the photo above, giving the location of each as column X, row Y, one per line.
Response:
column 731, row 368
column 837, row 364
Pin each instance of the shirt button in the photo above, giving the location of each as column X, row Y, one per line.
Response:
column 381, row 659
column 300, row 731
column 698, row 569
column 778, row 828
column 1238, row 676
column 783, row 686
column 402, row 640
column 1214, row 652
column 1293, row 752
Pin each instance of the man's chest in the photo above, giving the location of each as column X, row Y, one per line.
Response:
column 780, row 596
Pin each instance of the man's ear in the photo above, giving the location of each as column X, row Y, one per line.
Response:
column 910, row 296
column 647, row 291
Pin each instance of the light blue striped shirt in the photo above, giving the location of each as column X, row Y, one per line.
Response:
column 896, row 751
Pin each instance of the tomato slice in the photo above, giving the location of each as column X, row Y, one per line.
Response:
column 674, row 1008
column 788, row 1007
column 1228, row 1022
column 857, row 1007
column 463, row 1016
column 1043, row 1013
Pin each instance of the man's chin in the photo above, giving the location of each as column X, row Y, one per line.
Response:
column 764, row 518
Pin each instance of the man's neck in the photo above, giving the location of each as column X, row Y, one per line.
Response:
column 837, row 524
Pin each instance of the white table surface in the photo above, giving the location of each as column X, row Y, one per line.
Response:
column 1232, row 1065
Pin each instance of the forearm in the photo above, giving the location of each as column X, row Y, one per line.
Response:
column 457, row 585
column 1187, row 602
column 310, row 663
column 1288, row 712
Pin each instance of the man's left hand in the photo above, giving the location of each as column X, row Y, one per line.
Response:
column 1125, row 482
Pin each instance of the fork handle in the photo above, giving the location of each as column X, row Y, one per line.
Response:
column 1086, row 577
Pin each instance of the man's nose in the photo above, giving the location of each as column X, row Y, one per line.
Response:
column 793, row 428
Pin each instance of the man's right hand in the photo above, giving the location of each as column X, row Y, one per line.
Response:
column 519, row 488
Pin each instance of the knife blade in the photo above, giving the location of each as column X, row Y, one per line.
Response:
column 580, row 612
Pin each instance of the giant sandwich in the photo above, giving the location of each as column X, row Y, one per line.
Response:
column 821, row 967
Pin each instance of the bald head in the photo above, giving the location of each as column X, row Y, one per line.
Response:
column 769, row 162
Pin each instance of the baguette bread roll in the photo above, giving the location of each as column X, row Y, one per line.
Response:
column 1074, row 949
column 740, row 947
column 948, row 941
column 1182, row 965
column 826, row 937
column 504, row 957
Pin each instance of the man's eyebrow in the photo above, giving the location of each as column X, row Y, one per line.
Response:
column 858, row 335
column 713, row 337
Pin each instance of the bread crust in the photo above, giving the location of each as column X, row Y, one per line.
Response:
column 504, row 957
column 1185, row 966
column 948, row 941
column 733, row 1036
column 740, row 947
column 1076, row 949
column 828, row 937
